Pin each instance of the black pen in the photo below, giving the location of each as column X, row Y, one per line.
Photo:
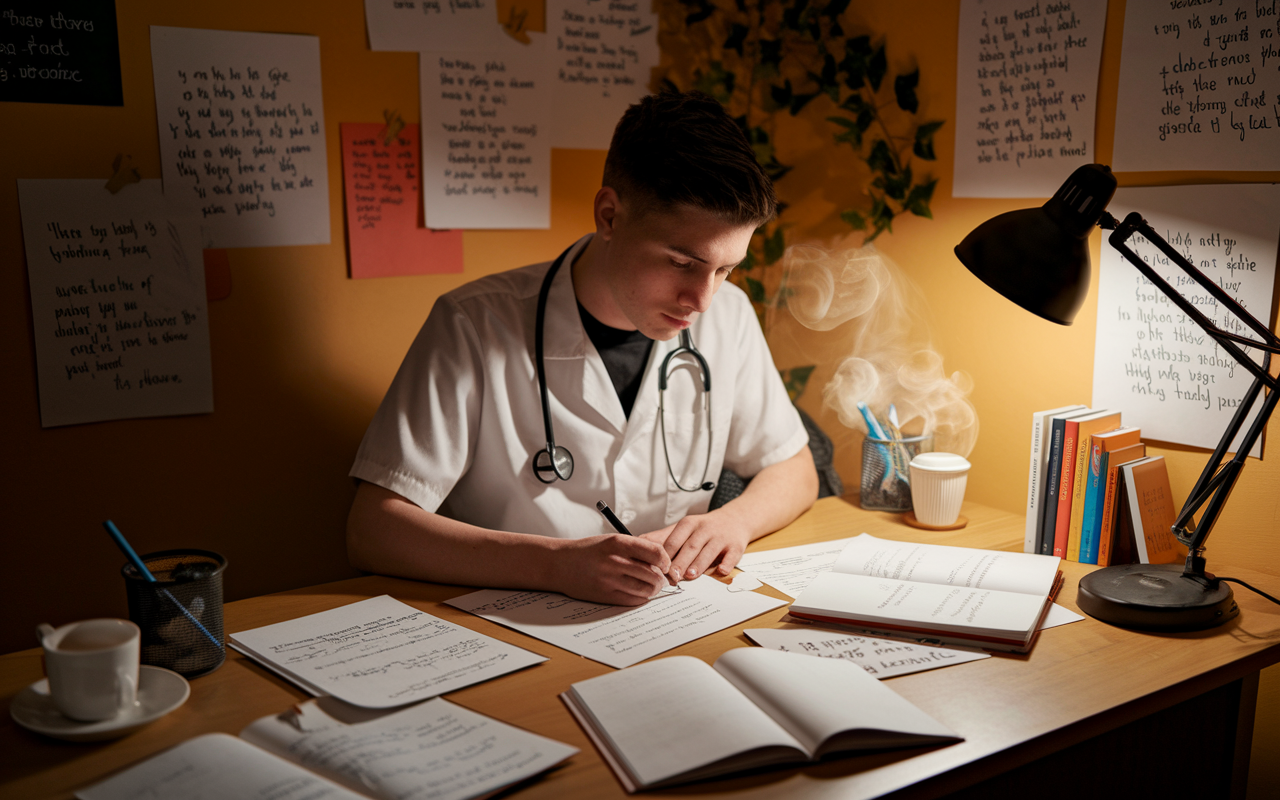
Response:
column 603, row 508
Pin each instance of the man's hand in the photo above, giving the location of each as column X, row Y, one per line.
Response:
column 615, row 569
column 700, row 542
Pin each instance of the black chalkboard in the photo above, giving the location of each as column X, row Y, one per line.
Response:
column 60, row 51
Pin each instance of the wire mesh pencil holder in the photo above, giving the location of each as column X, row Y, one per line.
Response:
column 181, row 613
column 886, row 479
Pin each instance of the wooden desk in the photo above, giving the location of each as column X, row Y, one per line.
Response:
column 1091, row 710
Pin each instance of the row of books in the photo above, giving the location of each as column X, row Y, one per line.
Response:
column 1093, row 494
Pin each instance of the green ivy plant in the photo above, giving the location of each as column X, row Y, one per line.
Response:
column 766, row 58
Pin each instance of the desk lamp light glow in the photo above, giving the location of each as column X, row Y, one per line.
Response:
column 1039, row 259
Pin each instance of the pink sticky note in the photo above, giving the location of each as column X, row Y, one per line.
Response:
column 383, row 193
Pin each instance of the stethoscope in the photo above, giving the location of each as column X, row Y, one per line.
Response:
column 555, row 462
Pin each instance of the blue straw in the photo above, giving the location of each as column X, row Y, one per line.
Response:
column 123, row 544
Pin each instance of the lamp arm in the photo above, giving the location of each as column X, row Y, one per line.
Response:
column 1213, row 487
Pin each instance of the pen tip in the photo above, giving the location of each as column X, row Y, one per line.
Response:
column 600, row 506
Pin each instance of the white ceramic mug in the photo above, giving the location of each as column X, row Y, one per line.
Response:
column 937, row 487
column 92, row 667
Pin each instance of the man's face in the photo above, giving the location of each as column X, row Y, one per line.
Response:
column 663, row 267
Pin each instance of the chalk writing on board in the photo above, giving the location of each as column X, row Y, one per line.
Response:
column 604, row 52
column 486, row 155
column 382, row 189
column 1026, row 76
column 60, row 51
column 1199, row 86
column 118, row 306
column 1154, row 362
column 242, row 134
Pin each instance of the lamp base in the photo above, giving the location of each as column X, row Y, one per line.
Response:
column 1155, row 597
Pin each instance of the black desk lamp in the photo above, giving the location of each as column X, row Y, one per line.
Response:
column 1039, row 259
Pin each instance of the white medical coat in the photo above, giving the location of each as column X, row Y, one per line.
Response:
column 459, row 427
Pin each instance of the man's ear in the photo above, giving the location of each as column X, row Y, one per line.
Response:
column 606, row 210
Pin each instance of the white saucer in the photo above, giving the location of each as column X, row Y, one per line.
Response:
column 159, row 692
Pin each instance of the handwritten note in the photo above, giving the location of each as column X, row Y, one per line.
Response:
column 604, row 51
column 1151, row 361
column 879, row 657
column 380, row 653
column 420, row 25
column 1026, row 84
column 618, row 636
column 486, row 153
column 117, row 303
column 791, row 569
column 383, row 191
column 1199, row 86
column 434, row 749
column 60, row 51
column 242, row 141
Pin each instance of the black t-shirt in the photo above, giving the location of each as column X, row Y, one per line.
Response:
column 624, row 354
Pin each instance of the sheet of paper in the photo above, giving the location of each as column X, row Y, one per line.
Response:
column 419, row 25
column 1026, row 94
column 791, row 569
column 216, row 766
column 380, row 653
column 117, row 302
column 882, row 658
column 242, row 145
column 486, row 152
column 944, row 565
column 604, row 52
column 1199, row 86
column 60, row 51
column 619, row 636
column 383, row 190
column 1151, row 361
column 434, row 749
column 1059, row 615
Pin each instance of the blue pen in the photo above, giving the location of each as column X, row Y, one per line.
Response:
column 124, row 546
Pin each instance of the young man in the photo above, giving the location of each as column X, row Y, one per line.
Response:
column 449, row 491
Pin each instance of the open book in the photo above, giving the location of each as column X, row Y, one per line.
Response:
column 934, row 594
column 434, row 750
column 676, row 720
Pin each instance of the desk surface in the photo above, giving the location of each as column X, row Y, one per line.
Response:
column 1080, row 680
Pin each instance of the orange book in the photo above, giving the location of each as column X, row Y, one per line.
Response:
column 1066, row 483
column 1111, row 498
column 1086, row 428
column 1152, row 511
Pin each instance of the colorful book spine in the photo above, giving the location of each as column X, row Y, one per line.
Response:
column 1066, row 486
column 1092, row 516
column 1053, row 476
column 1107, row 527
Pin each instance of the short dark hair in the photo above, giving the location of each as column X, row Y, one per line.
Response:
column 681, row 148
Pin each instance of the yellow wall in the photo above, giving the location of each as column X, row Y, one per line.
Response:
column 302, row 355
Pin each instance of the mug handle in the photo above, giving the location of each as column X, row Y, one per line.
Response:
column 126, row 692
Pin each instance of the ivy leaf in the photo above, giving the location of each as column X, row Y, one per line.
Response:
column 799, row 101
column 796, row 379
column 717, row 82
column 923, row 146
column 854, row 103
column 702, row 9
column 748, row 263
column 774, row 247
column 771, row 52
column 904, row 88
column 857, row 55
column 881, row 218
column 876, row 68
column 781, row 94
column 794, row 16
column 881, row 158
column 834, row 9
column 855, row 220
column 755, row 289
column 917, row 201
column 896, row 186
column 852, row 133
column 737, row 38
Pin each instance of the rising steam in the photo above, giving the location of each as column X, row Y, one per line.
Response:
column 887, row 353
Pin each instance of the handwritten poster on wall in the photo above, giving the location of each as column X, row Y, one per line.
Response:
column 383, row 192
column 1199, row 86
column 242, row 142
column 117, row 303
column 1026, row 94
column 419, row 25
column 603, row 51
column 1151, row 361
column 60, row 51
column 486, row 152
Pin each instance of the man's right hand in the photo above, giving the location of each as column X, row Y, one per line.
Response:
column 615, row 569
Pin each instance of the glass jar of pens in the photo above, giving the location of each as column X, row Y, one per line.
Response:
column 175, row 597
column 886, row 456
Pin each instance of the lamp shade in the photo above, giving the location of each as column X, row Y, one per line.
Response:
column 1039, row 257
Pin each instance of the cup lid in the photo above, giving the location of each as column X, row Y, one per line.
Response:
column 940, row 462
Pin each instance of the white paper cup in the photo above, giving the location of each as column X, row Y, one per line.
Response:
column 937, row 487
column 93, row 668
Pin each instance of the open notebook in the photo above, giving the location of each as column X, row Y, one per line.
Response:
column 676, row 720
